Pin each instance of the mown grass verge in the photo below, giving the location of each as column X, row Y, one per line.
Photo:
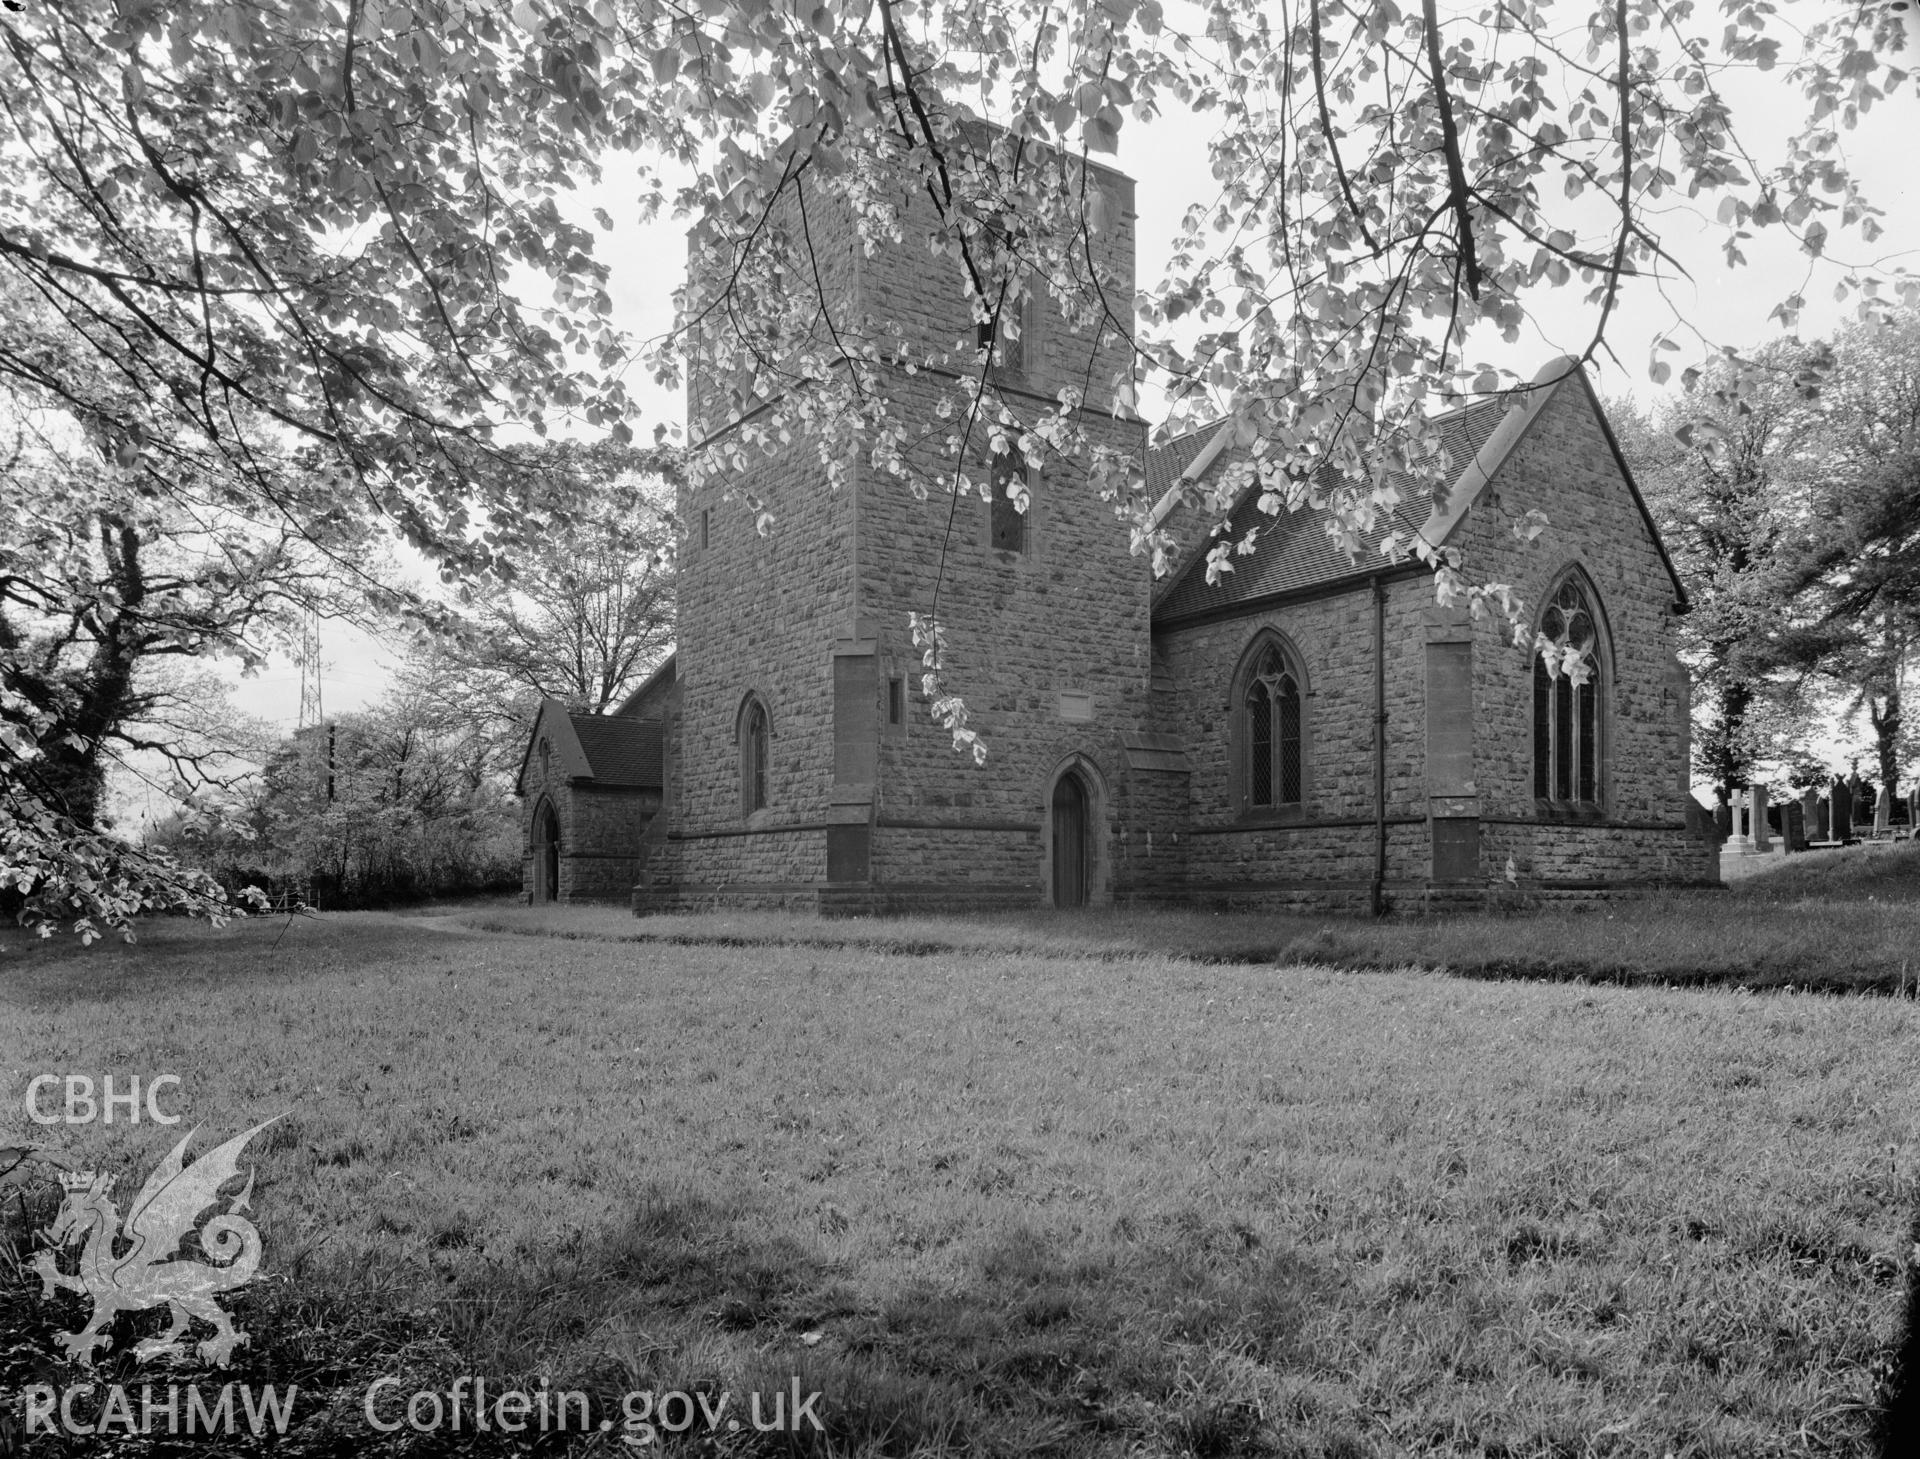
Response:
column 992, row 1203
column 1833, row 922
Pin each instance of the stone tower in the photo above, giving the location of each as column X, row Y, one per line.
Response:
column 804, row 766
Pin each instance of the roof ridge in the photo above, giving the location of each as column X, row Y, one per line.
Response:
column 1296, row 535
column 1499, row 397
column 1212, row 425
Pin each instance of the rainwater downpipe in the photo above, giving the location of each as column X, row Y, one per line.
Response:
column 1379, row 745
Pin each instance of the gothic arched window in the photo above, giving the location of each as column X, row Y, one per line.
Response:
column 753, row 756
column 1270, row 711
column 1569, row 674
column 1011, row 496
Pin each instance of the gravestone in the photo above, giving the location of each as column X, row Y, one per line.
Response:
column 1739, row 825
column 1748, row 820
column 1842, row 802
column 1700, row 823
column 1793, row 836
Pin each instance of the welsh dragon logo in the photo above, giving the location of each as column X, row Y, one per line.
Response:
column 151, row 1273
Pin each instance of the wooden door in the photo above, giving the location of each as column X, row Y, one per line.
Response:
column 546, row 855
column 1070, row 842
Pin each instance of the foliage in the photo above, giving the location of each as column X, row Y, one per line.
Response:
column 391, row 805
column 108, row 596
column 293, row 227
column 589, row 615
column 1787, row 485
column 284, row 252
column 1394, row 189
column 111, row 596
column 1859, row 557
column 1723, row 468
column 56, row 871
column 256, row 263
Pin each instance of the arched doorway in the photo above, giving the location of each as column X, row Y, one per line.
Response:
column 1072, row 840
column 546, row 853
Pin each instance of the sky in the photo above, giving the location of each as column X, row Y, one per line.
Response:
column 1167, row 159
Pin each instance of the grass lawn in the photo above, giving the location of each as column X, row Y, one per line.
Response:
column 1836, row 921
column 1022, row 1186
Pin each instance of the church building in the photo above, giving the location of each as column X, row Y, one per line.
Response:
column 1307, row 731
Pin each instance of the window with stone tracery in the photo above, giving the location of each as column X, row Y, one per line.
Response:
column 1569, row 674
column 1271, row 731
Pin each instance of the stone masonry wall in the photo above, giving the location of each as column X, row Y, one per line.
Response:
column 1228, row 854
column 602, row 859
column 535, row 787
column 759, row 613
column 1565, row 467
column 1549, row 855
column 1155, row 841
column 660, row 864
column 1050, row 648
column 655, row 703
column 733, row 871
column 600, row 836
column 719, row 375
column 903, row 289
column 1067, row 616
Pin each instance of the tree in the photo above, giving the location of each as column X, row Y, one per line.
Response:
column 1859, row 557
column 109, row 597
column 98, row 589
column 254, row 259
column 1788, row 487
column 589, row 616
column 1722, row 469
column 295, row 239
column 1394, row 189
column 366, row 809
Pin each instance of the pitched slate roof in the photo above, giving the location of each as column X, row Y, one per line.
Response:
column 620, row 752
column 1293, row 549
column 1189, row 455
column 606, row 751
column 652, row 688
column 1165, row 463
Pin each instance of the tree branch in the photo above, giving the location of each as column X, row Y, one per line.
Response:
column 1457, row 189
column 1326, row 128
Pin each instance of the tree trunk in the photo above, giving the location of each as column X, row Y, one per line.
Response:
column 1727, row 762
column 1886, row 738
column 98, row 698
